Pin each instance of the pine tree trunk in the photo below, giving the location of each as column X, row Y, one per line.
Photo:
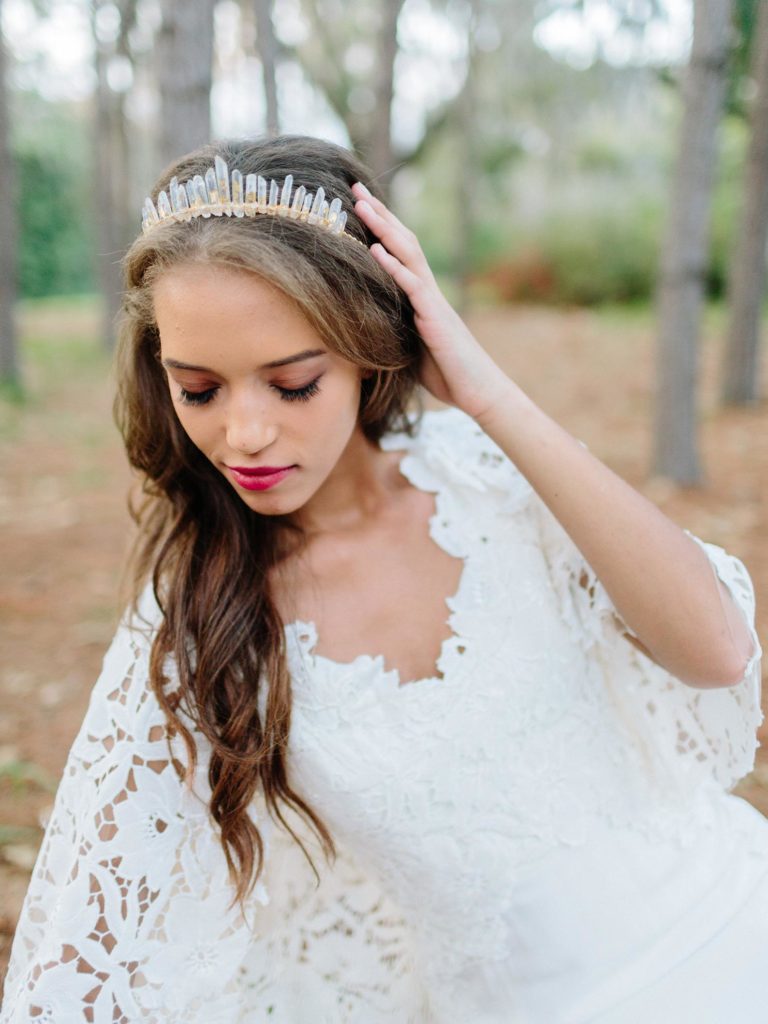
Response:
column 466, row 111
column 746, row 279
column 184, row 76
column 685, row 246
column 379, row 150
column 9, row 360
column 111, row 154
column 266, row 47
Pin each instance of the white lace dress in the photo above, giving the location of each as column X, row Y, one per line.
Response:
column 542, row 835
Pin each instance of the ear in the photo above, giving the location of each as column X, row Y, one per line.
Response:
column 367, row 374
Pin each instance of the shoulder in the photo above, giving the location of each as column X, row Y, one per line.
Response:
column 123, row 711
column 127, row 659
column 449, row 447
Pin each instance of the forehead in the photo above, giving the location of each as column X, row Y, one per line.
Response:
column 216, row 307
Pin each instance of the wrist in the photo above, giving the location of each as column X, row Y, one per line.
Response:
column 506, row 402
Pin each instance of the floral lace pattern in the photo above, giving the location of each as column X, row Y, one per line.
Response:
column 127, row 915
column 537, row 704
column 439, row 792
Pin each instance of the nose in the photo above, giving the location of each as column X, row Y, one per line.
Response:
column 249, row 427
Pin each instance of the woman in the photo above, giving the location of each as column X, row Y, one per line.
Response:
column 299, row 793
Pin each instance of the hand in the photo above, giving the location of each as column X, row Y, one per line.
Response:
column 455, row 368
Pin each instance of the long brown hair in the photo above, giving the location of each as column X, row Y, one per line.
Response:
column 205, row 552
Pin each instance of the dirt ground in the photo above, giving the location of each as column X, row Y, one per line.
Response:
column 65, row 527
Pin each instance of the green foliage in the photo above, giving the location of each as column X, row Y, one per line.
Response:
column 51, row 147
column 603, row 256
column 54, row 241
column 744, row 32
column 726, row 205
column 584, row 256
column 25, row 774
column 589, row 256
column 12, row 834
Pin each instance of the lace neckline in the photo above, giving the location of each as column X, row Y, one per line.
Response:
column 304, row 632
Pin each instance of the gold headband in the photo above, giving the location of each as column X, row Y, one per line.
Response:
column 219, row 194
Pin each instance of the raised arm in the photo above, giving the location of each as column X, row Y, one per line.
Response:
column 659, row 579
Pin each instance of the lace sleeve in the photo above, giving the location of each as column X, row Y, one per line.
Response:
column 692, row 734
column 126, row 916
column 696, row 733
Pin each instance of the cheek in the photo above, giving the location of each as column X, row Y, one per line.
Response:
column 199, row 429
column 336, row 404
column 350, row 397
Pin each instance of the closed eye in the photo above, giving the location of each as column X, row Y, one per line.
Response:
column 196, row 397
column 302, row 394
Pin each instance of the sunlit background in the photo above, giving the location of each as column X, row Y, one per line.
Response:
column 572, row 123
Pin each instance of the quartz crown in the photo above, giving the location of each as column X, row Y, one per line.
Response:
column 220, row 193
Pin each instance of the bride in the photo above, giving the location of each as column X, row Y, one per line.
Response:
column 412, row 717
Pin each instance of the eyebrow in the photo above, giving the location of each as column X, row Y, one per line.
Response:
column 298, row 357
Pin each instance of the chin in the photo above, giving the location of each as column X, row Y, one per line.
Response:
column 272, row 504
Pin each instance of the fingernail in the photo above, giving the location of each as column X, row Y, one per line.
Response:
column 362, row 187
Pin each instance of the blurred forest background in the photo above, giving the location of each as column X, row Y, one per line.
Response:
column 589, row 180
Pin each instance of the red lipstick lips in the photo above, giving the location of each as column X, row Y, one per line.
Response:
column 259, row 478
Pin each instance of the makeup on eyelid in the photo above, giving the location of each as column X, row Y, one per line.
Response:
column 295, row 394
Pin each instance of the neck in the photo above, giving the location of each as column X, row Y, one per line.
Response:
column 358, row 488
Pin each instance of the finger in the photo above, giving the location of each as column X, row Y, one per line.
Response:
column 383, row 211
column 399, row 241
column 410, row 282
column 361, row 192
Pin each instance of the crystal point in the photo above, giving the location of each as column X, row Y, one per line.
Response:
column 164, row 205
column 212, row 187
column 173, row 188
column 298, row 200
column 285, row 195
column 200, row 192
column 150, row 211
column 221, row 175
column 333, row 212
column 237, row 193
column 317, row 205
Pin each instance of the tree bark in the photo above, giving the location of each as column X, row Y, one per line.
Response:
column 685, row 246
column 380, row 151
column 115, row 224
column 746, row 278
column 9, row 359
column 466, row 111
column 184, row 75
column 266, row 47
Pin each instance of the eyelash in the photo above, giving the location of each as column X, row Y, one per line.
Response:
column 286, row 394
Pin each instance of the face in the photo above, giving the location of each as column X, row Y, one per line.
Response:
column 253, row 384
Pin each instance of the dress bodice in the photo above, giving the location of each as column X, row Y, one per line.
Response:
column 457, row 790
